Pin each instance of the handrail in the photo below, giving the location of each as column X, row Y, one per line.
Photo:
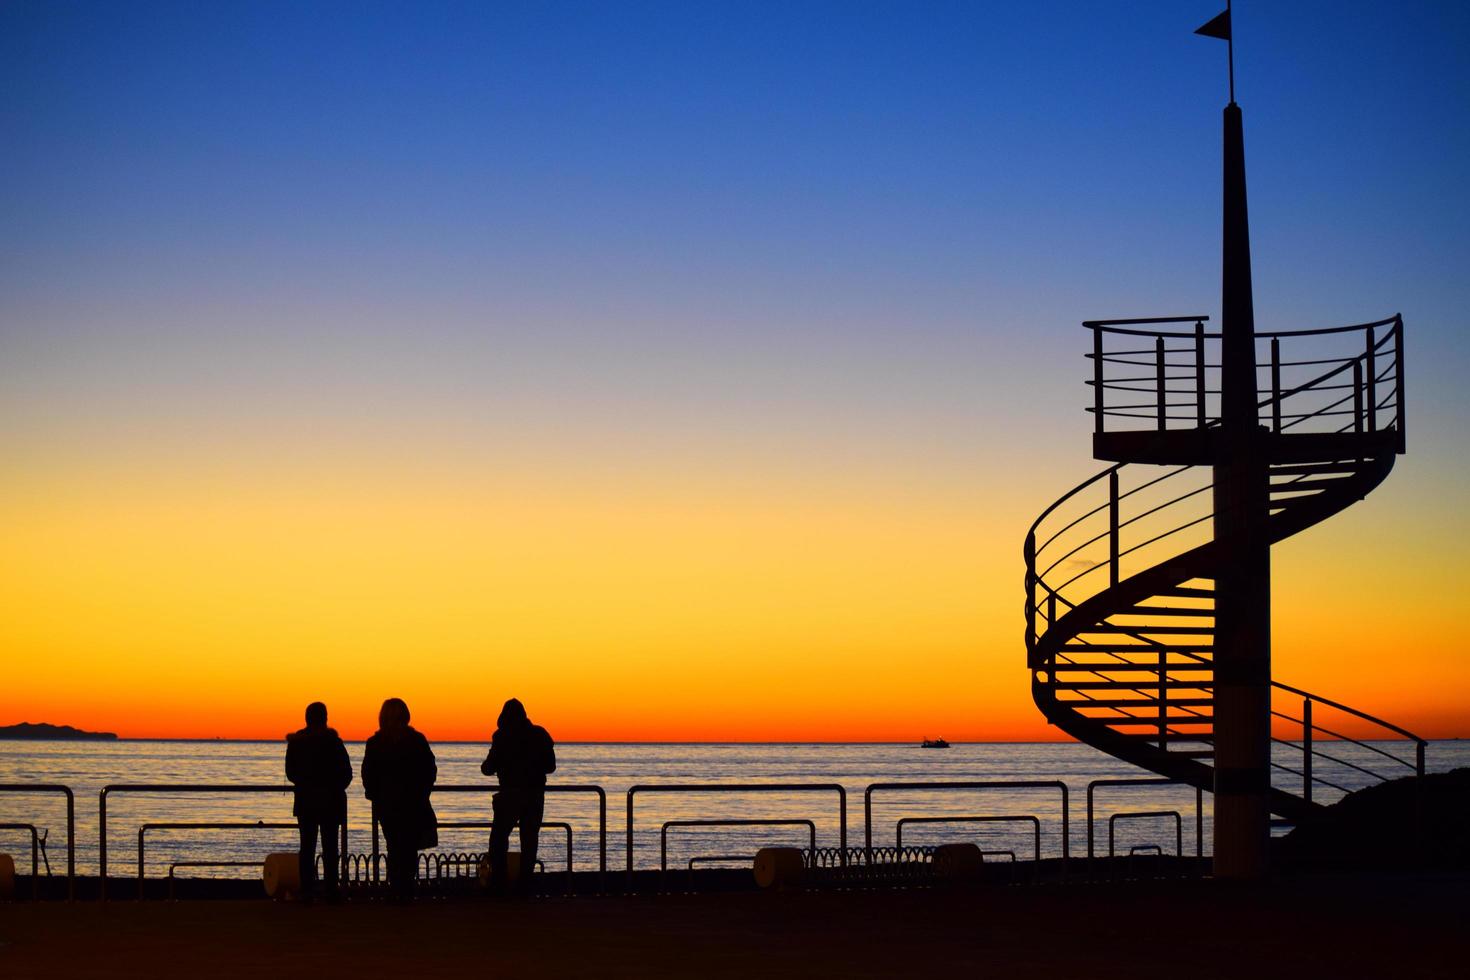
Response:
column 981, row 784
column 550, row 788
column 837, row 788
column 35, row 855
column 224, row 825
column 71, row 825
column 1030, row 818
column 663, row 844
column 1116, row 326
column 1326, row 330
column 1352, row 711
column 115, row 788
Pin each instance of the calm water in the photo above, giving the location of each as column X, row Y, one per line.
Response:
column 88, row 766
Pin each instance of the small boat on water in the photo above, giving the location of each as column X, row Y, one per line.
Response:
column 934, row 743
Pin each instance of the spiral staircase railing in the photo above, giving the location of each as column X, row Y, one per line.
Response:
column 1119, row 601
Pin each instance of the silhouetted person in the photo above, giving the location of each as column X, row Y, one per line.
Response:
column 398, row 772
column 317, row 765
column 521, row 755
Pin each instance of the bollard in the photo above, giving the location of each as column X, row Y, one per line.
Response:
column 512, row 869
column 778, row 867
column 282, row 876
column 958, row 860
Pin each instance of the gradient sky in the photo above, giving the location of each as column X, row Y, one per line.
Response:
column 691, row 371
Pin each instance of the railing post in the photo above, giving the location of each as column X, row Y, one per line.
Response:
column 374, row 819
column 1419, row 758
column 1030, row 556
column 1163, row 700
column 1159, row 383
column 1113, row 527
column 1307, row 749
column 1097, row 380
column 1199, row 373
column 1398, row 378
column 1370, row 358
column 1275, row 384
column 1357, row 396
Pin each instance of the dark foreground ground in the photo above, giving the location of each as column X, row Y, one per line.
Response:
column 1317, row 926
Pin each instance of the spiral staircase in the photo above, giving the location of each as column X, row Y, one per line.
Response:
column 1121, row 570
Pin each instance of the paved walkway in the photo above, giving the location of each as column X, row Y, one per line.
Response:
column 1345, row 927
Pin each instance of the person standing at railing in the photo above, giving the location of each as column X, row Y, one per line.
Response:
column 317, row 765
column 398, row 773
column 521, row 756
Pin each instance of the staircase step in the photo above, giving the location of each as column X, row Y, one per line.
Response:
column 1296, row 469
column 1146, row 628
column 1187, row 591
column 1123, row 648
column 1148, row 703
column 1154, row 720
column 1133, row 685
column 1169, row 611
column 1167, row 737
column 1302, row 486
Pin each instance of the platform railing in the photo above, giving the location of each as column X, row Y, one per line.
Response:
column 71, row 824
column 1146, row 375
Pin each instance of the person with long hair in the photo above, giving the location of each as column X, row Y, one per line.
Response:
column 398, row 773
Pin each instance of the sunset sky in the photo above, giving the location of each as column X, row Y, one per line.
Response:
column 690, row 371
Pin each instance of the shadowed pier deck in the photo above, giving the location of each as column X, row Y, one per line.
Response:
column 1360, row 925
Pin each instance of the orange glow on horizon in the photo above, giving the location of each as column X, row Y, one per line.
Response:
column 159, row 601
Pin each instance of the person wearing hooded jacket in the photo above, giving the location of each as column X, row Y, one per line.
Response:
column 317, row 765
column 398, row 773
column 521, row 755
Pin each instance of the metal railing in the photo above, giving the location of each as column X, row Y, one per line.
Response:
column 663, row 843
column 71, row 825
column 198, row 864
column 1033, row 820
column 1199, row 810
column 235, row 825
column 492, row 788
column 35, row 854
column 837, row 788
column 1169, row 379
column 1146, row 815
column 967, row 785
column 167, row 789
column 1310, row 751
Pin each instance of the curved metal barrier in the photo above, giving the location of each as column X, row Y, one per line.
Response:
column 71, row 825
column 837, row 788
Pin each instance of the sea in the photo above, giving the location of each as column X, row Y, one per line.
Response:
column 87, row 767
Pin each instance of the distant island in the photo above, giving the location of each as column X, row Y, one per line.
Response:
column 53, row 733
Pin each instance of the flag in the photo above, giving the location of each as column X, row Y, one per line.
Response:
column 1218, row 27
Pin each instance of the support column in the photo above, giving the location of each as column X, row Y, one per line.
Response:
column 1243, row 585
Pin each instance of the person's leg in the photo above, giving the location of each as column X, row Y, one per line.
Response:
column 331, row 857
column 307, row 860
column 500, row 840
column 533, row 808
column 402, row 859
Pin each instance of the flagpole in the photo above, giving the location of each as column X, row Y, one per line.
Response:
column 1230, row 50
